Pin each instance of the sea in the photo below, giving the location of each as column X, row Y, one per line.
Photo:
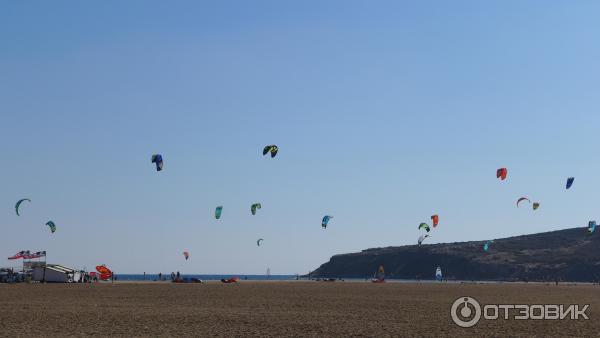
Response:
column 154, row 277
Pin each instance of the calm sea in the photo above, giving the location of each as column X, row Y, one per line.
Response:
column 149, row 277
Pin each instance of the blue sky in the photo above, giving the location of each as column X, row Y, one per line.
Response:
column 384, row 112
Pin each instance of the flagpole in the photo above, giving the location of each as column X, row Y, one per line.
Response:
column 45, row 262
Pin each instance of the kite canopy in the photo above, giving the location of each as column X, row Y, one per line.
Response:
column 271, row 149
column 422, row 238
column 501, row 173
column 325, row 220
column 19, row 204
column 52, row 226
column 435, row 219
column 570, row 182
column 487, row 244
column 258, row 241
column 424, row 226
column 186, row 255
column 157, row 158
column 104, row 272
column 254, row 207
column 523, row 199
column 592, row 226
column 536, row 205
column 218, row 211
column 380, row 275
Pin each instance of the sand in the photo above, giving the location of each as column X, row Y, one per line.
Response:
column 276, row 309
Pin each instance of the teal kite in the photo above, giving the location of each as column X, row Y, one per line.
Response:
column 52, row 226
column 218, row 212
column 19, row 204
column 424, row 226
column 592, row 227
column 254, row 207
column 487, row 244
column 325, row 220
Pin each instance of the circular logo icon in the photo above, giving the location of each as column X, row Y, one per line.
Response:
column 465, row 311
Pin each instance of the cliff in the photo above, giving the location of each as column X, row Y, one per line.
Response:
column 569, row 255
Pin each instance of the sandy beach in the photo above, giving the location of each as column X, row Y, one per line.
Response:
column 278, row 309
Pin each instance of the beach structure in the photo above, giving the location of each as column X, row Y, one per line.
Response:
column 11, row 275
column 54, row 273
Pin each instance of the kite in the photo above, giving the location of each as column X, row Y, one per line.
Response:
column 424, row 226
column 19, row 204
column 325, row 220
column 435, row 219
column 52, row 226
column 422, row 238
column 536, row 205
column 379, row 275
column 253, row 208
column 522, row 199
column 486, row 246
column 570, row 182
column 501, row 173
column 104, row 272
column 157, row 158
column 218, row 211
column 271, row 149
column 258, row 241
column 186, row 255
column 592, row 226
column 438, row 273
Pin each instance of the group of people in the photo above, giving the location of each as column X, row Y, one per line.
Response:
column 174, row 276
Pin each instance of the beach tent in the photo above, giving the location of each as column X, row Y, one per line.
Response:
column 54, row 273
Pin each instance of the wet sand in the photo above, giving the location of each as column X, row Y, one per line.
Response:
column 277, row 309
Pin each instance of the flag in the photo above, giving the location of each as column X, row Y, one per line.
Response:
column 35, row 255
column 19, row 255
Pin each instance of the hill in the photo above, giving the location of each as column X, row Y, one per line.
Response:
column 569, row 255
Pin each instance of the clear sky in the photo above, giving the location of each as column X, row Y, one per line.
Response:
column 385, row 112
